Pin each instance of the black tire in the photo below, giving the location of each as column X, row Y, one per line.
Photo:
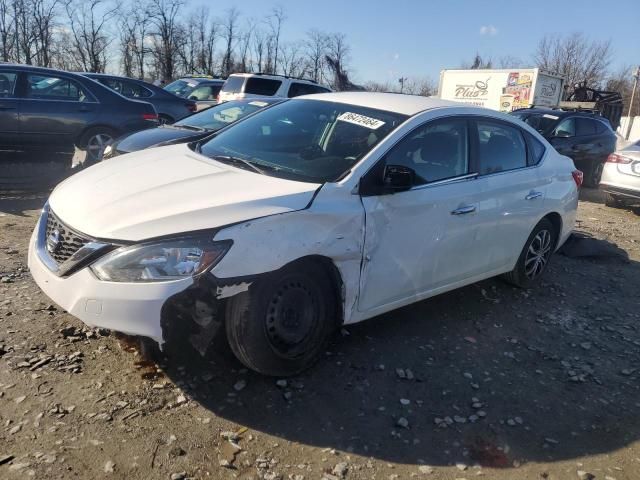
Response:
column 280, row 326
column 87, row 143
column 593, row 174
column 612, row 201
column 522, row 276
column 165, row 119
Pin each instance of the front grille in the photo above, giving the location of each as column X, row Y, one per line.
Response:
column 69, row 241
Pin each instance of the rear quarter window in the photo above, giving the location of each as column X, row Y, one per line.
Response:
column 535, row 149
column 233, row 84
column 262, row 86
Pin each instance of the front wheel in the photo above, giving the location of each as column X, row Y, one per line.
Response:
column 535, row 255
column 593, row 174
column 279, row 327
column 612, row 201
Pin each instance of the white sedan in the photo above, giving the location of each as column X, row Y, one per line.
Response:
column 316, row 212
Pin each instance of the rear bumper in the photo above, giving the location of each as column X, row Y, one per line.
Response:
column 624, row 192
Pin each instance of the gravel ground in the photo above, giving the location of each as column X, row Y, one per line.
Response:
column 487, row 380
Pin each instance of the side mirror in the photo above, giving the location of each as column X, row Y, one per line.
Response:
column 397, row 178
column 193, row 97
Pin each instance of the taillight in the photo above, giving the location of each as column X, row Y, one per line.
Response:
column 615, row 158
column 577, row 177
column 192, row 107
column 152, row 117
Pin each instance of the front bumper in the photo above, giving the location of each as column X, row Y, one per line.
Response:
column 130, row 308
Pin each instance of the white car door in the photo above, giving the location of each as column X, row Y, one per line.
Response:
column 434, row 234
column 506, row 166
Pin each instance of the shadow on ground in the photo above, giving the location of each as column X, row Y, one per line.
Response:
column 493, row 374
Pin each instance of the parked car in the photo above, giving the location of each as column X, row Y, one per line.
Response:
column 316, row 212
column 621, row 177
column 585, row 137
column 190, row 129
column 259, row 85
column 170, row 107
column 44, row 110
column 203, row 90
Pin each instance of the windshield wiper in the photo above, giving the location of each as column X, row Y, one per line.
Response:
column 238, row 160
column 188, row 127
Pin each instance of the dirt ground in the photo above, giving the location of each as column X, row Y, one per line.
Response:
column 485, row 381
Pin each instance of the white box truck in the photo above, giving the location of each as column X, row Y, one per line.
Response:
column 504, row 90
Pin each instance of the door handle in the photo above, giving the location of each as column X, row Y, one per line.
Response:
column 533, row 195
column 7, row 107
column 464, row 210
column 84, row 109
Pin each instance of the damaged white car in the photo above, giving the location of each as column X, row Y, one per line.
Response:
column 316, row 212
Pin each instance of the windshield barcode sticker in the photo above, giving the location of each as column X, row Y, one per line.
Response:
column 258, row 104
column 361, row 120
column 552, row 117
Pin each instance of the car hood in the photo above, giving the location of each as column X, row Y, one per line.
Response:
column 153, row 136
column 169, row 190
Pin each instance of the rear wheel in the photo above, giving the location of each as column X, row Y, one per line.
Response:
column 280, row 326
column 612, row 201
column 94, row 142
column 535, row 255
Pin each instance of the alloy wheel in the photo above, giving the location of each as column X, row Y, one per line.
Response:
column 96, row 146
column 538, row 254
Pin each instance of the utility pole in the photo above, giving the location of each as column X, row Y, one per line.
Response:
column 401, row 80
column 636, row 76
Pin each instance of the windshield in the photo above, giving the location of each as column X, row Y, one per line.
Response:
column 181, row 88
column 307, row 140
column 220, row 116
column 542, row 122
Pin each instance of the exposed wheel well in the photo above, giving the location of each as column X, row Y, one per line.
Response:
column 556, row 221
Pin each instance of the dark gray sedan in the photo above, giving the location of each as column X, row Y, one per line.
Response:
column 170, row 107
column 190, row 129
column 45, row 111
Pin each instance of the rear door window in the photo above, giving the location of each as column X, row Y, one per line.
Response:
column 566, row 128
column 45, row 87
column 233, row 84
column 536, row 150
column 500, row 147
column 296, row 89
column 7, row 84
column 585, row 126
column 262, row 86
column 133, row 90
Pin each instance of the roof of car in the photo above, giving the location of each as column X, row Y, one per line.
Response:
column 556, row 112
column 202, row 79
column 391, row 102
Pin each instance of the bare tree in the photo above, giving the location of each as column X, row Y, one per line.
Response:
column 7, row 30
column 276, row 20
column 165, row 28
column 259, row 49
column 88, row 21
column 575, row 57
column 509, row 61
column 229, row 33
column 622, row 81
column 478, row 62
column 316, row 45
column 292, row 60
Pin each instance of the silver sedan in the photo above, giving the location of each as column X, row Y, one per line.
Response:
column 621, row 177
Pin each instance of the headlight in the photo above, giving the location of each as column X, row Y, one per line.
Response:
column 160, row 262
